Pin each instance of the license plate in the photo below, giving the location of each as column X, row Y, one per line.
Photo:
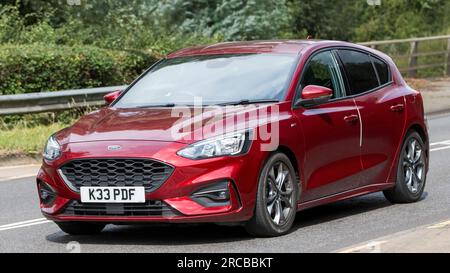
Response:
column 112, row 194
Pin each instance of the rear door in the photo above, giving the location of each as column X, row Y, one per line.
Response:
column 331, row 132
column 381, row 109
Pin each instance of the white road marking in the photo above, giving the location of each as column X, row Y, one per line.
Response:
column 445, row 142
column 370, row 247
column 22, row 224
column 445, row 145
column 439, row 149
column 440, row 225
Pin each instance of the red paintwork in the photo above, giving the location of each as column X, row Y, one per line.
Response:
column 111, row 97
column 314, row 92
column 332, row 164
column 337, row 158
column 288, row 47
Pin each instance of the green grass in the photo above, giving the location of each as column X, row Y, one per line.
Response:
column 23, row 140
column 27, row 134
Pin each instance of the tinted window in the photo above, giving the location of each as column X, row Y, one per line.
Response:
column 214, row 79
column 359, row 70
column 382, row 70
column 323, row 70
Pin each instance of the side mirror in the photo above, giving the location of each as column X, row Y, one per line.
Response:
column 110, row 97
column 313, row 95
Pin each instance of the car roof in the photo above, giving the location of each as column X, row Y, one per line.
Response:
column 248, row 47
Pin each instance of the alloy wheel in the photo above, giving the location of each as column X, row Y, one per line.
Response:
column 414, row 166
column 279, row 193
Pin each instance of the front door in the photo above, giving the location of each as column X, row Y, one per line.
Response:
column 331, row 132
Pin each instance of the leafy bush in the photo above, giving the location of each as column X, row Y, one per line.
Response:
column 141, row 24
column 56, row 32
column 38, row 67
column 126, row 24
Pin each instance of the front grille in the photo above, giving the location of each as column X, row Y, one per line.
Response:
column 115, row 173
column 149, row 208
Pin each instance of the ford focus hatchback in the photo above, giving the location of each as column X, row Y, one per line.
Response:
column 246, row 133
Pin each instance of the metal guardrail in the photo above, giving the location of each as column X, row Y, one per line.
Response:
column 414, row 54
column 54, row 101
column 68, row 99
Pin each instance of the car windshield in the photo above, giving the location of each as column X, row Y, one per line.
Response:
column 214, row 79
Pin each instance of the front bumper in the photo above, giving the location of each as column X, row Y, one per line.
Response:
column 188, row 176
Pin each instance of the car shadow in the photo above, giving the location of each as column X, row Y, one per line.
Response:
column 158, row 234
column 342, row 209
column 192, row 234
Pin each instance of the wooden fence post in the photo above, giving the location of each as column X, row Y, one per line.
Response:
column 448, row 57
column 412, row 72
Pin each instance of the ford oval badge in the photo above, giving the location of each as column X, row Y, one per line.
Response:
column 114, row 147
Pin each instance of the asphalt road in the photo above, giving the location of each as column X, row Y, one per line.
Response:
column 323, row 229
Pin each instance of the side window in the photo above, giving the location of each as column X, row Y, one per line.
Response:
column 382, row 70
column 323, row 70
column 359, row 69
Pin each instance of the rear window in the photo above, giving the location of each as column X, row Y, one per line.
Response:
column 382, row 70
column 360, row 72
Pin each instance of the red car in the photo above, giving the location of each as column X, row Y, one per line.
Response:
column 341, row 122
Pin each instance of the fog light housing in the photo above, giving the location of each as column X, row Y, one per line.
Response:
column 46, row 193
column 215, row 195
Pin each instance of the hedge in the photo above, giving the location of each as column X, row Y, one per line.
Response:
column 38, row 68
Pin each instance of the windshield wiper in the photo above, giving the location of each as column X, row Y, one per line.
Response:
column 157, row 105
column 245, row 102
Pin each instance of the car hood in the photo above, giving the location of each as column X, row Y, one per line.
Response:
column 156, row 124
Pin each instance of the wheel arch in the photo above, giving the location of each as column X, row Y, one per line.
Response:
column 423, row 134
column 291, row 155
column 421, row 131
column 295, row 163
column 416, row 127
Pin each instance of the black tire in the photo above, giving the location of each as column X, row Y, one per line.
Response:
column 81, row 228
column 401, row 192
column 262, row 224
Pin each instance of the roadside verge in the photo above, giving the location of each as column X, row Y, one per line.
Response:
column 436, row 96
column 19, row 171
column 432, row 239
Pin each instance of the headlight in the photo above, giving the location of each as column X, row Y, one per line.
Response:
column 229, row 144
column 52, row 149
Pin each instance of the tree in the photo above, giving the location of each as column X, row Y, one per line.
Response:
column 231, row 19
column 358, row 21
column 324, row 19
column 395, row 19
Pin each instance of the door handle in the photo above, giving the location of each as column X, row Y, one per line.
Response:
column 397, row 108
column 351, row 119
